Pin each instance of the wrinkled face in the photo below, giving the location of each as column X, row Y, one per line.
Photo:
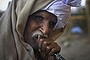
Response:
column 40, row 21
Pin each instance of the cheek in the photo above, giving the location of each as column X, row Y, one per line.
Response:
column 33, row 26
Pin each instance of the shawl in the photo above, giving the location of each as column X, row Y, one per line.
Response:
column 12, row 24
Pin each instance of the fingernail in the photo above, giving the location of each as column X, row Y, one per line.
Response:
column 44, row 42
column 48, row 47
column 41, row 40
column 39, row 50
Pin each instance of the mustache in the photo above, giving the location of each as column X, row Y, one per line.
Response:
column 38, row 34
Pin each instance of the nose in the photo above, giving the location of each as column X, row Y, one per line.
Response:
column 45, row 28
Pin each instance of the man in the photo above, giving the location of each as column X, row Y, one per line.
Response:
column 21, row 21
column 44, row 22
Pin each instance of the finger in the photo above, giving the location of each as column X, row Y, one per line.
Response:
column 44, row 46
column 55, row 50
column 40, row 43
column 49, row 47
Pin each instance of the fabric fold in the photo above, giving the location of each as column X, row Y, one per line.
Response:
column 12, row 24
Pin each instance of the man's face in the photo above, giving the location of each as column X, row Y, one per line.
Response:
column 42, row 21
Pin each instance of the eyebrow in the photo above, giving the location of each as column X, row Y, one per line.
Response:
column 39, row 16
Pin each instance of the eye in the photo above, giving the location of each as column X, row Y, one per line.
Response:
column 38, row 18
column 52, row 24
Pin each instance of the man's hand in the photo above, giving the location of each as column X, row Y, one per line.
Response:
column 47, row 49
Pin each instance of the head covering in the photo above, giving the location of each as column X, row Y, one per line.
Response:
column 12, row 24
column 62, row 9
